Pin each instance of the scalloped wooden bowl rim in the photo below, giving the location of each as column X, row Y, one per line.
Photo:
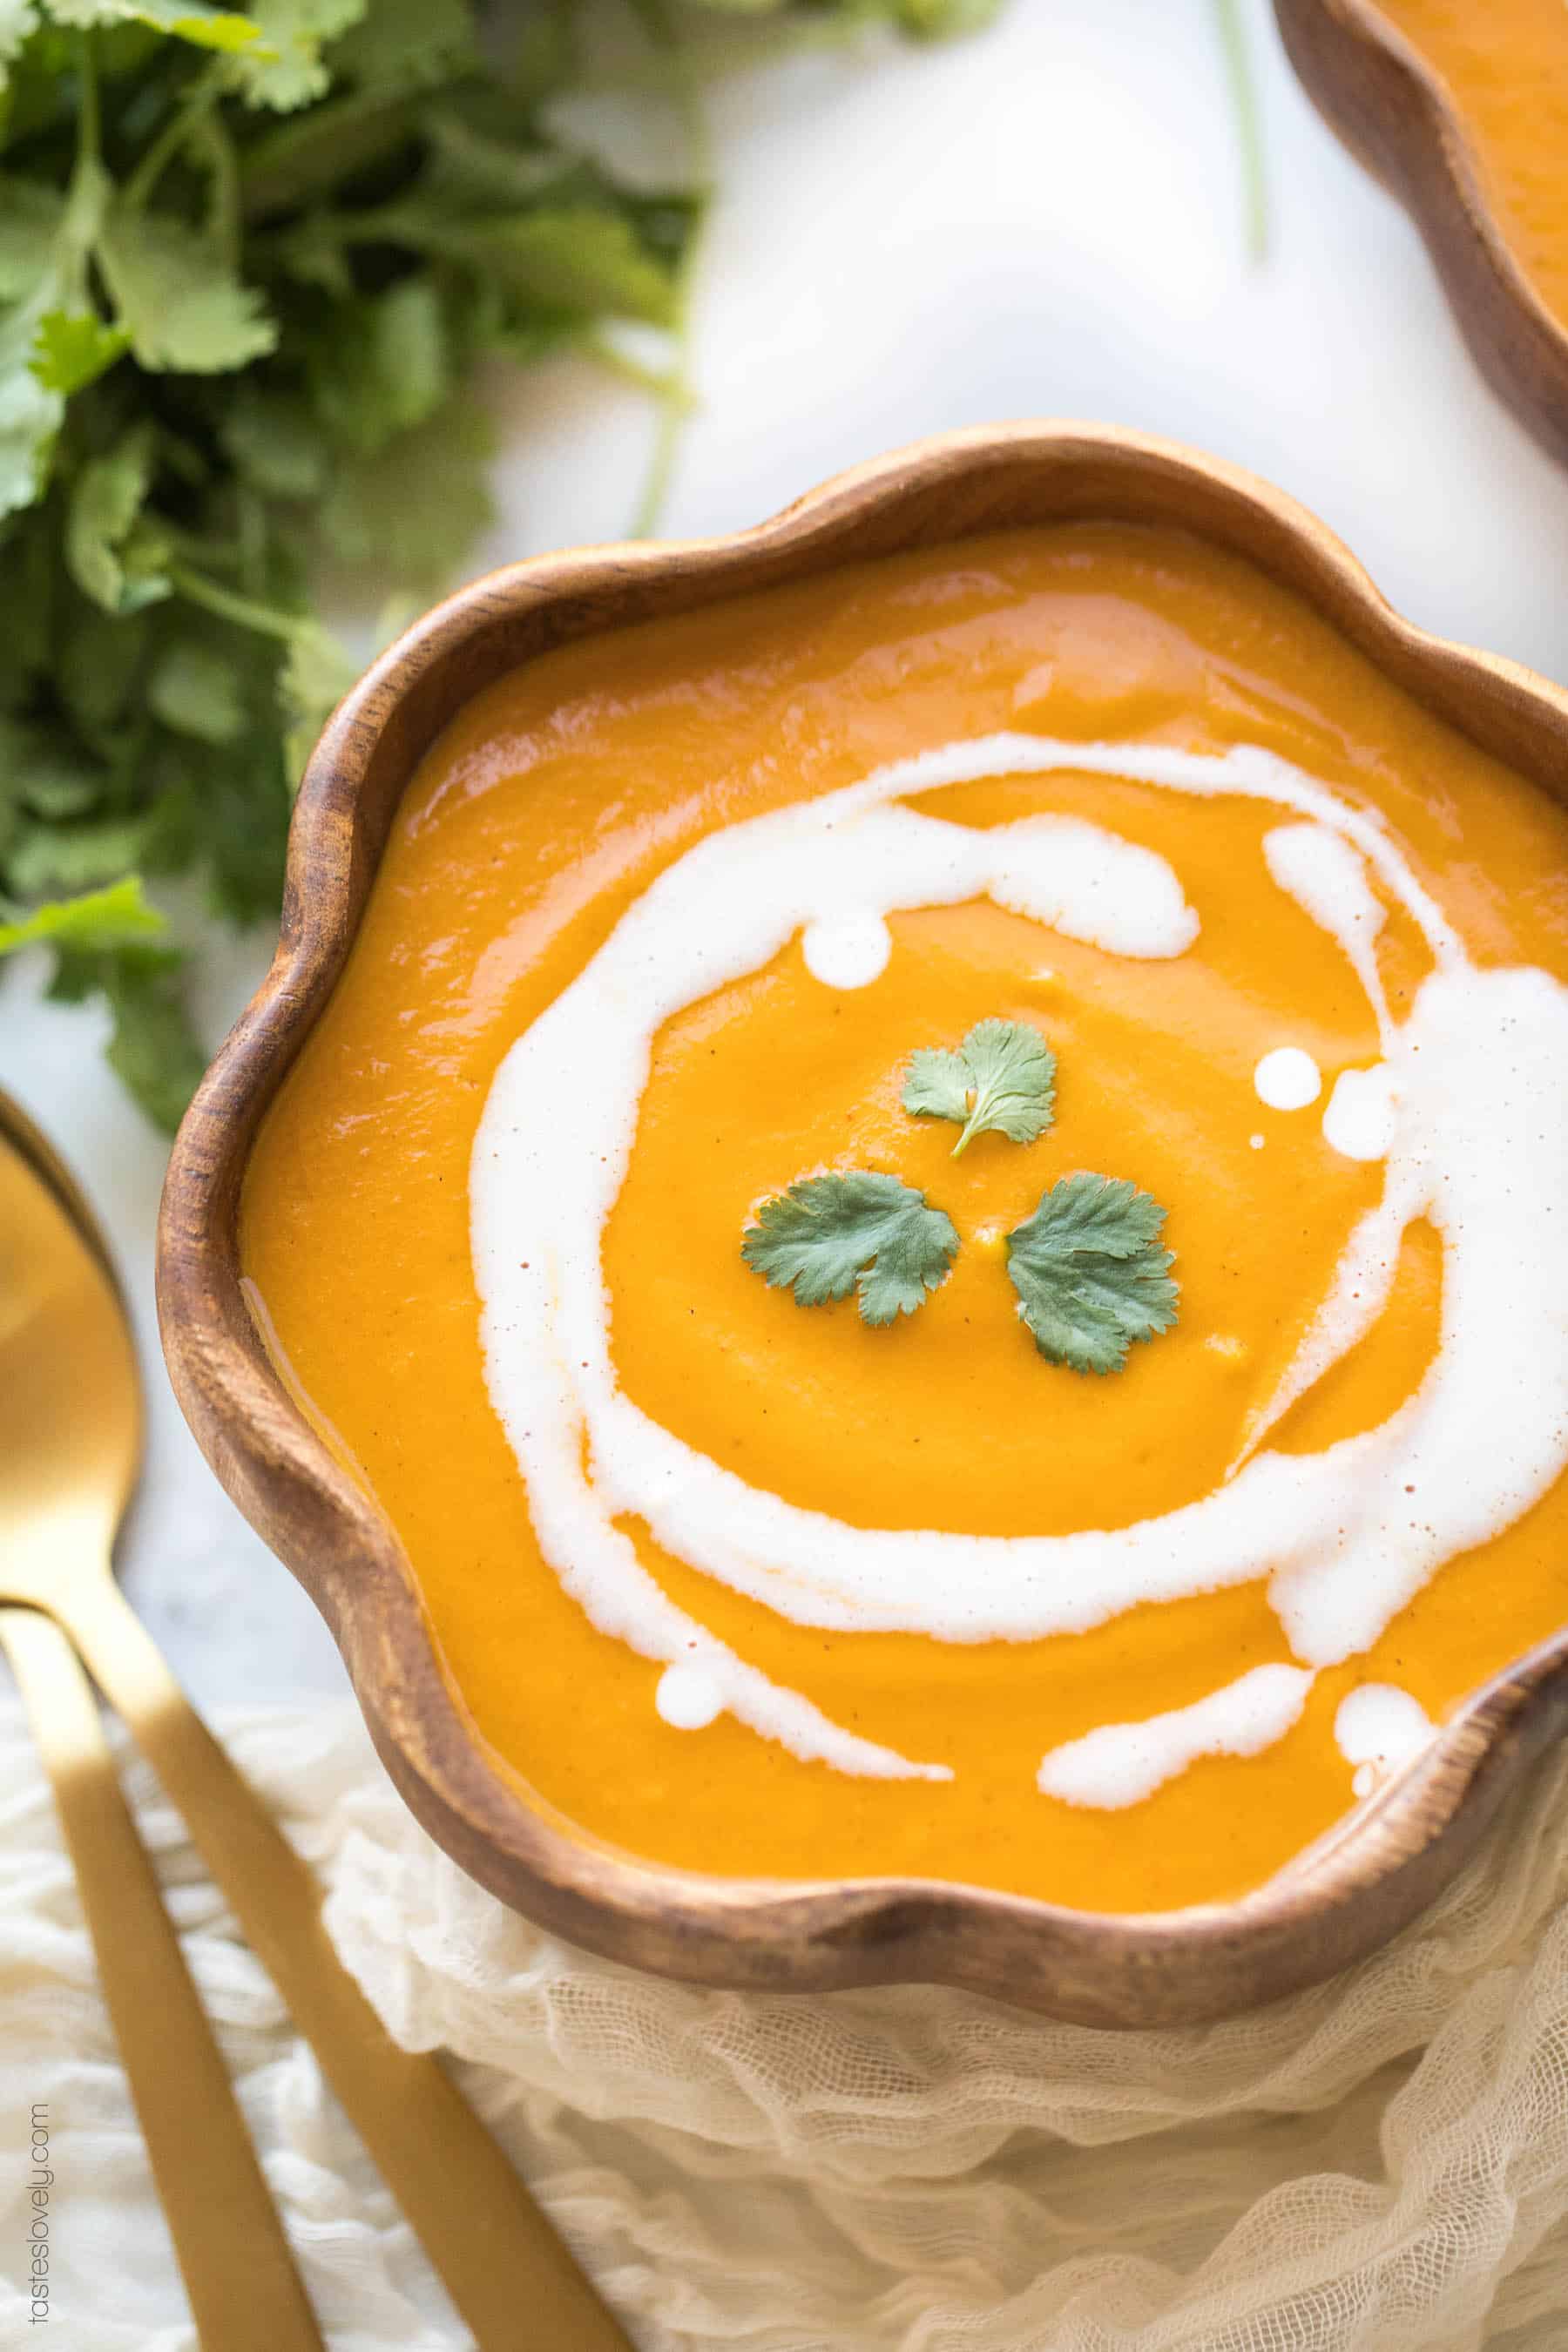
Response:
column 1393, row 111
column 1369, row 1877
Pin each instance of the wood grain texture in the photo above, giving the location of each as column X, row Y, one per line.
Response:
column 1391, row 109
column 1350, row 1892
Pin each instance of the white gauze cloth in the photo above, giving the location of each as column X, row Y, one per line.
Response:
column 1380, row 2165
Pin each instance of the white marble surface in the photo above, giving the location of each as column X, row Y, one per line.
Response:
column 1043, row 222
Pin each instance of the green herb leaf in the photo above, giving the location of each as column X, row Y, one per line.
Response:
column 275, row 442
column 113, row 557
column 30, row 414
column 578, row 261
column 285, row 69
column 100, row 663
column 28, row 579
column 198, row 692
column 17, row 19
column 176, row 297
column 385, row 368
column 1089, row 1272
column 153, row 1048
column 44, row 770
column 43, row 257
column 72, row 349
column 1001, row 1081
column 78, row 856
column 226, row 807
column 313, row 680
column 420, row 503
column 30, row 216
column 187, row 20
column 829, row 1235
column 154, row 1051
column 99, row 923
column 406, row 42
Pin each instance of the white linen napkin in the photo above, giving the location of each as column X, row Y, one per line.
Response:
column 1380, row 2165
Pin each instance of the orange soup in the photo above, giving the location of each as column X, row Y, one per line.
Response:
column 1505, row 66
column 928, row 1199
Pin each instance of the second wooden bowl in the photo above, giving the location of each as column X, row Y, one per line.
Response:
column 1392, row 109
column 1356, row 1887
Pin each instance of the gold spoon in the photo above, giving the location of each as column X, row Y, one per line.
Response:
column 240, row 2280
column 70, row 1438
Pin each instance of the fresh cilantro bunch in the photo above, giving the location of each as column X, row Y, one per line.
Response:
column 248, row 265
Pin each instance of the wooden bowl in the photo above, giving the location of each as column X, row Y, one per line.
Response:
column 1370, row 1875
column 1392, row 109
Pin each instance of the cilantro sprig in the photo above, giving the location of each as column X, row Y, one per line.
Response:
column 1091, row 1273
column 251, row 261
column 1000, row 1081
column 858, row 1230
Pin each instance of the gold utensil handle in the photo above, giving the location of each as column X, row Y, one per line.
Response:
column 245, row 2292
column 510, row 2277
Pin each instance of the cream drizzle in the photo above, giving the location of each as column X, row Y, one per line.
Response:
column 1121, row 1763
column 1325, row 876
column 1478, row 1140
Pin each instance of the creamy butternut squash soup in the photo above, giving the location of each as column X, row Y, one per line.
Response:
column 1505, row 66
column 933, row 1201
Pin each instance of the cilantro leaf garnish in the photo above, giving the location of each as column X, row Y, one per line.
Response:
column 829, row 1235
column 1091, row 1273
column 1000, row 1081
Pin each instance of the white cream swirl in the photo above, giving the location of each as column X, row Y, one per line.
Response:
column 1346, row 1537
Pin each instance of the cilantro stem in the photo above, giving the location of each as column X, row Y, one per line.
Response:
column 84, row 190
column 252, row 521
column 194, row 102
column 227, row 604
column 211, row 140
column 88, row 139
column 1243, row 90
column 680, row 396
column 659, row 384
